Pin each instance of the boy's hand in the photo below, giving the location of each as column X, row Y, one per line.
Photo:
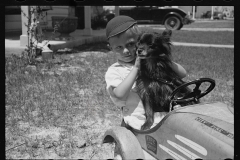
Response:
column 137, row 62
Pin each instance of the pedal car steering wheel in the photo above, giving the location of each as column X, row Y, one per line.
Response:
column 194, row 95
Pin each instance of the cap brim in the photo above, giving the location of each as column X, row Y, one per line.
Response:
column 121, row 29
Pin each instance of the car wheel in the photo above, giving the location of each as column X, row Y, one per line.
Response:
column 180, row 26
column 172, row 23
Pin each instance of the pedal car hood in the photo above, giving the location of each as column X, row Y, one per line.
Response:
column 215, row 110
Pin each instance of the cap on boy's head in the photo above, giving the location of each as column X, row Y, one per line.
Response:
column 118, row 25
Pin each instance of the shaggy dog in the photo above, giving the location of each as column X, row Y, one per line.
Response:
column 156, row 79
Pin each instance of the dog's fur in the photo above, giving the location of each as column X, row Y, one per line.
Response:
column 155, row 49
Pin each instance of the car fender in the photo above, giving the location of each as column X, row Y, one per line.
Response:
column 172, row 14
column 126, row 139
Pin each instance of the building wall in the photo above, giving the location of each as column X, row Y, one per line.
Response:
column 203, row 9
column 13, row 22
column 187, row 9
column 95, row 10
column 227, row 10
column 56, row 11
column 199, row 10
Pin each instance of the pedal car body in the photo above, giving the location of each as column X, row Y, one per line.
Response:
column 202, row 131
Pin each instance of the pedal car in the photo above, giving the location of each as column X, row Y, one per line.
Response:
column 199, row 131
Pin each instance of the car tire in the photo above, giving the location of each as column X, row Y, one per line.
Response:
column 172, row 23
column 180, row 26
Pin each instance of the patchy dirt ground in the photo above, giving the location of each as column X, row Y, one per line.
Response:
column 79, row 139
column 83, row 141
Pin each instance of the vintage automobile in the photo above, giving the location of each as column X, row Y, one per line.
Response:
column 171, row 18
column 199, row 131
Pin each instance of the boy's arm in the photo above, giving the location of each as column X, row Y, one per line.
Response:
column 179, row 70
column 123, row 88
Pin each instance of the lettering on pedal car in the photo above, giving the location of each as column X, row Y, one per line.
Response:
column 151, row 144
column 216, row 128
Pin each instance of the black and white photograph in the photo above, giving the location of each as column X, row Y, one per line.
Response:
column 119, row 82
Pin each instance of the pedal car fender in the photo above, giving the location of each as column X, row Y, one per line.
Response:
column 130, row 147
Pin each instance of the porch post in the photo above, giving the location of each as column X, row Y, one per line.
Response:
column 116, row 10
column 24, row 36
column 194, row 8
column 212, row 13
column 87, row 18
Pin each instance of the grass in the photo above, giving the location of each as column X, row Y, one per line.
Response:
column 61, row 109
column 67, row 95
column 209, row 37
column 220, row 37
column 215, row 63
column 211, row 24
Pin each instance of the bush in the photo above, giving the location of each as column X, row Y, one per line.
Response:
column 216, row 15
column 100, row 21
column 206, row 14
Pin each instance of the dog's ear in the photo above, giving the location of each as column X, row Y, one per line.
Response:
column 167, row 33
column 139, row 36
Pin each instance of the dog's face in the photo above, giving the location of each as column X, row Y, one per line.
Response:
column 154, row 44
column 144, row 44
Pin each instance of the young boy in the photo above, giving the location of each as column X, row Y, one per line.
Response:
column 122, row 33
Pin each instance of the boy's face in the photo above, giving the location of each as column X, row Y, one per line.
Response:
column 124, row 46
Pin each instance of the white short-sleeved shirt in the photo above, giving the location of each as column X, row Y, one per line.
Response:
column 133, row 111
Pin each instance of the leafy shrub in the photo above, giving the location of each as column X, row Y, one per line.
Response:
column 206, row 14
column 216, row 15
column 100, row 21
